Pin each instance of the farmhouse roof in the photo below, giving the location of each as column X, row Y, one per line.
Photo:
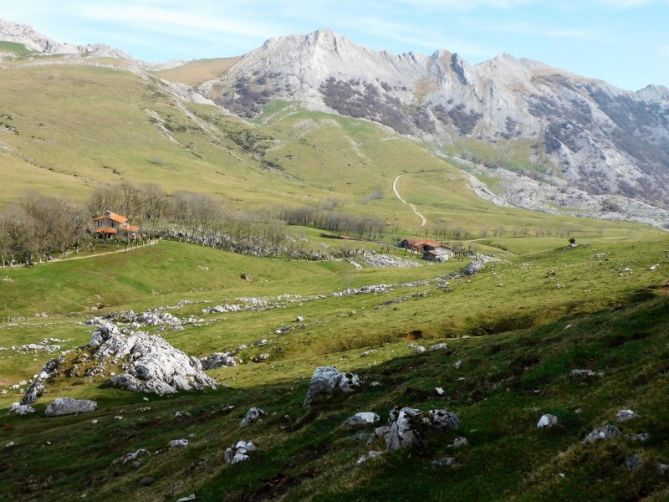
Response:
column 112, row 216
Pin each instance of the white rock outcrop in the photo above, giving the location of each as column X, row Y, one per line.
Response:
column 327, row 381
column 69, row 406
column 151, row 364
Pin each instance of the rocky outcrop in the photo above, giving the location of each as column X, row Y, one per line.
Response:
column 154, row 366
column 38, row 386
column 68, row 406
column 408, row 427
column 405, row 429
column 328, row 381
column 135, row 361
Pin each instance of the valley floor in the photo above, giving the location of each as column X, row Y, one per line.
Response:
column 515, row 333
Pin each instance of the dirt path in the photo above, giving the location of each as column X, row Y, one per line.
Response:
column 88, row 256
column 423, row 221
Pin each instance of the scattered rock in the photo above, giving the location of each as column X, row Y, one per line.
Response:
column 547, row 421
column 188, row 498
column 218, row 360
column 601, row 433
column 404, row 431
column 68, row 406
column 239, row 452
column 299, row 318
column 440, row 391
column 474, row 267
column 459, row 442
column 327, row 381
column 582, row 374
column 178, row 443
column 443, row 420
column 11, row 444
column 360, row 419
column 369, row 456
column 625, row 415
column 260, row 358
column 36, row 389
column 21, row 409
column 130, row 457
column 148, row 481
column 443, row 462
column 439, row 346
column 641, row 436
column 252, row 416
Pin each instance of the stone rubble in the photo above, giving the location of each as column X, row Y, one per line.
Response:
column 239, row 452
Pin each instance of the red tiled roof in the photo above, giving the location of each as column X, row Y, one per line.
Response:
column 112, row 216
column 423, row 242
column 129, row 228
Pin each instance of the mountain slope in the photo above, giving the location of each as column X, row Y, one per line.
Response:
column 563, row 128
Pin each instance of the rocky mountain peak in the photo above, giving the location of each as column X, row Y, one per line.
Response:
column 39, row 43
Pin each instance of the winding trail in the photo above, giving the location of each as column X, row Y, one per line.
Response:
column 413, row 208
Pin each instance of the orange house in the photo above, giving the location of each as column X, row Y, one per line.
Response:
column 112, row 224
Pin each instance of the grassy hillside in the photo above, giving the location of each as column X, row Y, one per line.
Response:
column 66, row 128
column 197, row 72
column 518, row 329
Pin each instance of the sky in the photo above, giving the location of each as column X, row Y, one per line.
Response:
column 625, row 42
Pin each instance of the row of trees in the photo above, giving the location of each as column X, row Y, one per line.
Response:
column 37, row 226
column 309, row 216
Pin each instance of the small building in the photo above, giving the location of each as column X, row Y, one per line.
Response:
column 110, row 225
column 419, row 245
column 440, row 254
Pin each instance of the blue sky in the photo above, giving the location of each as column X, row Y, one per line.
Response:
column 625, row 42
